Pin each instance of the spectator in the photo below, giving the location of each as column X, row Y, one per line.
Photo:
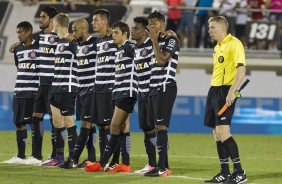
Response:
column 228, row 10
column 174, row 14
column 187, row 21
column 241, row 21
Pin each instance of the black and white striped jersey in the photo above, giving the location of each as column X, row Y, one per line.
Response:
column 26, row 60
column 47, row 46
column 125, row 72
column 143, row 64
column 65, row 71
column 163, row 76
column 105, row 67
column 86, row 61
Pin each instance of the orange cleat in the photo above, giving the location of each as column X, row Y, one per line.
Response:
column 120, row 168
column 94, row 167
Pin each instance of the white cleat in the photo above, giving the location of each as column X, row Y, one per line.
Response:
column 146, row 169
column 15, row 160
column 32, row 161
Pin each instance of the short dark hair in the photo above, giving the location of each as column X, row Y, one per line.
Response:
column 51, row 11
column 141, row 20
column 158, row 15
column 103, row 12
column 25, row 25
column 122, row 26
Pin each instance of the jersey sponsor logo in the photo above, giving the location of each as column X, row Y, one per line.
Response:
column 47, row 50
column 141, row 66
column 120, row 67
column 26, row 66
column 61, row 48
column 52, row 39
column 32, row 54
column 83, row 62
column 59, row 60
column 220, row 59
column 103, row 59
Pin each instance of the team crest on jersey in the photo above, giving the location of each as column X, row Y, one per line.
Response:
column 120, row 56
column 61, row 48
column 106, row 46
column 52, row 39
column 85, row 50
column 171, row 43
column 32, row 55
column 144, row 52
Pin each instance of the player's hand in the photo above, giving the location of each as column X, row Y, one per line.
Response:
column 12, row 47
column 152, row 32
column 70, row 37
column 170, row 33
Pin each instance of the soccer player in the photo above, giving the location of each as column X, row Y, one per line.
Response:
column 86, row 56
column 162, row 86
column 63, row 91
column 143, row 63
column 26, row 60
column 229, row 71
column 47, row 45
column 124, row 97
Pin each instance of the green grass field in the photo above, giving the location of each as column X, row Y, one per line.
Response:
column 192, row 159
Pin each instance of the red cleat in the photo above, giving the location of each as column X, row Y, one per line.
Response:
column 120, row 168
column 94, row 167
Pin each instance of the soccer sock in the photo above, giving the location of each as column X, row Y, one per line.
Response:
column 60, row 142
column 72, row 137
column 21, row 142
column 91, row 145
column 80, row 143
column 53, row 139
column 150, row 142
column 166, row 161
column 232, row 148
column 162, row 139
column 110, row 147
column 223, row 158
column 125, row 148
column 116, row 153
column 37, row 137
column 103, row 140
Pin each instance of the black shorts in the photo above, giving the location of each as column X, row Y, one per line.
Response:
column 160, row 106
column 126, row 104
column 144, row 124
column 64, row 101
column 23, row 110
column 103, row 108
column 85, row 107
column 215, row 101
column 42, row 100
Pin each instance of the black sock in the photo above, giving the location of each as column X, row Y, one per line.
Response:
column 103, row 140
column 60, row 142
column 116, row 153
column 72, row 137
column 110, row 148
column 38, row 137
column 91, row 145
column 53, row 139
column 21, row 142
column 80, row 143
column 125, row 148
column 232, row 148
column 166, row 161
column 223, row 158
column 150, row 142
column 162, row 139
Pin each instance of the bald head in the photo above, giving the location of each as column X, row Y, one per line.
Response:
column 80, row 30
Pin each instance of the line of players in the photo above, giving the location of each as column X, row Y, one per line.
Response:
column 105, row 76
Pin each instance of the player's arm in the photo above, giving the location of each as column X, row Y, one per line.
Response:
column 13, row 46
column 239, row 76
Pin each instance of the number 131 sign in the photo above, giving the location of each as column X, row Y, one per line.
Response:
column 261, row 30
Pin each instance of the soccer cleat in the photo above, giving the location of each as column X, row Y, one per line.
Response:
column 32, row 161
column 82, row 164
column 219, row 178
column 94, row 167
column 111, row 165
column 237, row 178
column 69, row 164
column 157, row 172
column 53, row 162
column 146, row 169
column 120, row 168
column 15, row 160
column 168, row 172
